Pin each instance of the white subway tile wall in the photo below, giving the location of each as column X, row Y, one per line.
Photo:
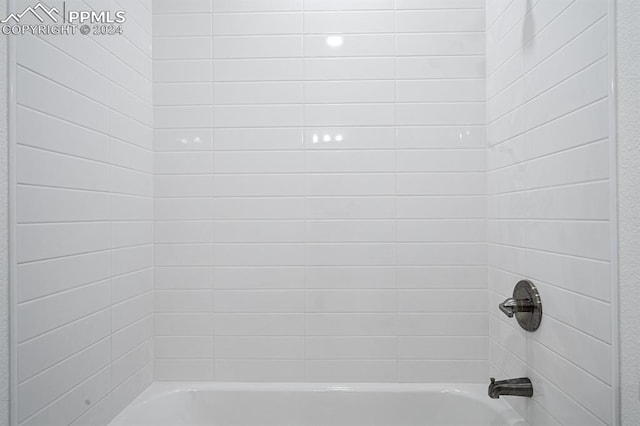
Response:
column 314, row 190
column 84, row 220
column 548, row 186
column 320, row 191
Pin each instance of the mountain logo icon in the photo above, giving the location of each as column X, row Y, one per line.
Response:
column 40, row 11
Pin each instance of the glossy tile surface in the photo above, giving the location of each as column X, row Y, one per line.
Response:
column 318, row 166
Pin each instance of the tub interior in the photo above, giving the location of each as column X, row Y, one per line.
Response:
column 274, row 405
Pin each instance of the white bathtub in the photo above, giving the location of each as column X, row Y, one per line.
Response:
column 252, row 404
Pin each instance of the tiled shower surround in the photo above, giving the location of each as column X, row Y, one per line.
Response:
column 320, row 207
column 314, row 190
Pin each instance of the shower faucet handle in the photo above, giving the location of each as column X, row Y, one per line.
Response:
column 525, row 305
column 512, row 306
column 509, row 307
